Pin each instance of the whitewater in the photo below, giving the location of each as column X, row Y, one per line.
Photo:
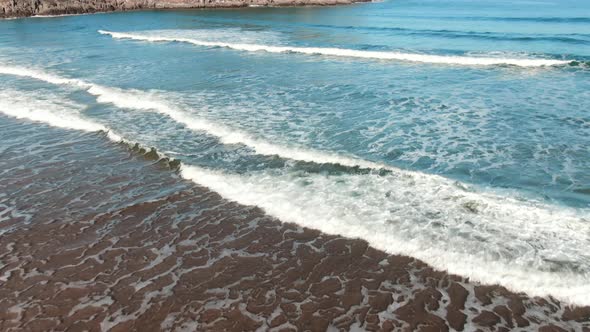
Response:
column 486, row 235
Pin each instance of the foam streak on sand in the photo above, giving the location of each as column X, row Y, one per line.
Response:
column 523, row 245
column 339, row 52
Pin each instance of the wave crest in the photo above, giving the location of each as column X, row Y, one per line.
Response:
column 492, row 238
column 340, row 52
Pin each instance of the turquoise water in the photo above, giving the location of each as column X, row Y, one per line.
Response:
column 453, row 131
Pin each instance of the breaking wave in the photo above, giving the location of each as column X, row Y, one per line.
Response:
column 140, row 100
column 489, row 238
column 169, row 36
column 53, row 112
column 58, row 113
column 493, row 238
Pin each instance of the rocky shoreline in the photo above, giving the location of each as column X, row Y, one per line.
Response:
column 22, row 8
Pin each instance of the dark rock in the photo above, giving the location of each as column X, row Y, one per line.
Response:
column 456, row 319
column 505, row 313
column 581, row 314
column 551, row 328
column 22, row 8
column 487, row 318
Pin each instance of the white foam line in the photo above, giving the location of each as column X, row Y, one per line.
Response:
column 339, row 52
column 65, row 15
column 316, row 208
column 135, row 99
column 140, row 100
column 17, row 105
column 42, row 76
column 322, row 205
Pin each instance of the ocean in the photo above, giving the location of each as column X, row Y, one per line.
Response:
column 454, row 132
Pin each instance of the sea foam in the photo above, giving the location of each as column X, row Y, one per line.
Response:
column 169, row 36
column 141, row 100
column 524, row 245
column 51, row 111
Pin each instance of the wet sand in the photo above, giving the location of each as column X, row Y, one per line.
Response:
column 98, row 238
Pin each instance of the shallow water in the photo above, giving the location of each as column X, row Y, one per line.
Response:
column 456, row 132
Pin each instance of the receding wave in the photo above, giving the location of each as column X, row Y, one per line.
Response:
column 350, row 53
column 488, row 237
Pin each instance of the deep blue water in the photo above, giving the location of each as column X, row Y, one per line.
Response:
column 479, row 108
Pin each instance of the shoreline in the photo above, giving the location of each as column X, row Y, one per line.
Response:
column 26, row 10
column 126, row 257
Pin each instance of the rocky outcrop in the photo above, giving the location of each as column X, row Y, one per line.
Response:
column 22, row 8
